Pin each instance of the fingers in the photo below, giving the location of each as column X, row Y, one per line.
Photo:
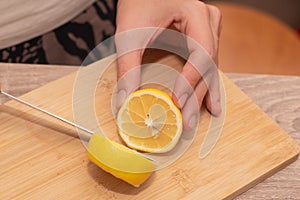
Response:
column 216, row 26
column 185, row 84
column 212, row 97
column 130, row 45
column 200, row 72
column 215, row 20
column 128, row 75
column 190, row 111
column 199, row 78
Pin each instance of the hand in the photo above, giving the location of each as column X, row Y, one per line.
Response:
column 197, row 20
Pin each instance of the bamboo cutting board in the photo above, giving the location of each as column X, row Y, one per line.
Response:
column 42, row 158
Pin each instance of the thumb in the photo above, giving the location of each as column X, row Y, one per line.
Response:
column 129, row 72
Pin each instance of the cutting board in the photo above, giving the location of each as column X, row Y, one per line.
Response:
column 43, row 158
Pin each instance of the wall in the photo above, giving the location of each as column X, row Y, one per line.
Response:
column 286, row 10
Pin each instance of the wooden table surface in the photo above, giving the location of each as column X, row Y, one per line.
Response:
column 278, row 96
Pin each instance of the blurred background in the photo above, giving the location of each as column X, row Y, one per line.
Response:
column 260, row 36
column 288, row 10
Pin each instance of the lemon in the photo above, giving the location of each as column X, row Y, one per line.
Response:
column 149, row 121
column 119, row 160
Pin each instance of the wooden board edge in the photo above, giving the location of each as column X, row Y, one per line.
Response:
column 264, row 177
column 23, row 96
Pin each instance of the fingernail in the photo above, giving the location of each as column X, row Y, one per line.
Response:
column 193, row 122
column 218, row 108
column 120, row 98
column 182, row 99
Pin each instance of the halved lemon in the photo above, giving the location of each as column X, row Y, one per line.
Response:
column 149, row 121
column 120, row 161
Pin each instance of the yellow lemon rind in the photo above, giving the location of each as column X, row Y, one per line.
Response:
column 95, row 154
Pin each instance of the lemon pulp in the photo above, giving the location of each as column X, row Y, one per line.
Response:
column 149, row 121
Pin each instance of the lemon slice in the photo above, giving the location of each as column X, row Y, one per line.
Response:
column 119, row 160
column 149, row 121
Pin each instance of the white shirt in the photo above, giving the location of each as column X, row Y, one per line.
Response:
column 21, row 20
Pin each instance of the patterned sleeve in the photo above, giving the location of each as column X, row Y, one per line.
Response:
column 70, row 43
